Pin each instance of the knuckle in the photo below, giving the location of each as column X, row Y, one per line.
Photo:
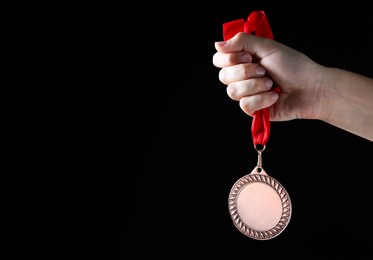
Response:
column 232, row 92
column 222, row 76
column 246, row 105
column 246, row 70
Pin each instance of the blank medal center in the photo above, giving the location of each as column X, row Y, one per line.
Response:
column 259, row 206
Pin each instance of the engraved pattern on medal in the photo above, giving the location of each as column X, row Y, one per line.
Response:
column 252, row 220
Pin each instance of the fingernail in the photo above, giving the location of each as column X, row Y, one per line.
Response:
column 268, row 83
column 221, row 43
column 260, row 70
column 274, row 96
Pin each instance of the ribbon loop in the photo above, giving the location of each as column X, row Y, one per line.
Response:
column 256, row 23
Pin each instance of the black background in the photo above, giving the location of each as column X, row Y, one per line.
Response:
column 119, row 141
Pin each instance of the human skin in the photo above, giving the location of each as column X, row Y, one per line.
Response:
column 250, row 66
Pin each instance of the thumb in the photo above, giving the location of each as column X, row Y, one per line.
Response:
column 243, row 42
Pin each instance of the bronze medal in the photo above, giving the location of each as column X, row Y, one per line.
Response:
column 259, row 205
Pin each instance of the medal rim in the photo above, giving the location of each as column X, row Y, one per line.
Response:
column 260, row 177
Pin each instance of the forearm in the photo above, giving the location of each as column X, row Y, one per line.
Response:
column 348, row 101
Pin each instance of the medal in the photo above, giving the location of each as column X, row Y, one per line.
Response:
column 258, row 204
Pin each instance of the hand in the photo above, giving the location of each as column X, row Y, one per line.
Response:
column 251, row 66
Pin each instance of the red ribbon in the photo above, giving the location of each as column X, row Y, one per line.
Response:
column 257, row 24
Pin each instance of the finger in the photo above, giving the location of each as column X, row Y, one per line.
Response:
column 243, row 42
column 221, row 60
column 250, row 104
column 240, row 72
column 240, row 89
column 234, row 44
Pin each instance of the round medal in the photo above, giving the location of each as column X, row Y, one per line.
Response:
column 259, row 205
